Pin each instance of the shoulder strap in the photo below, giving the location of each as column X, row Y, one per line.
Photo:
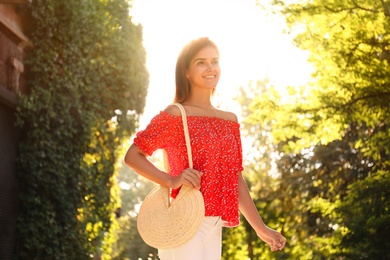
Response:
column 186, row 133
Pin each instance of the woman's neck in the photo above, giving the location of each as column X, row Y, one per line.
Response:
column 200, row 101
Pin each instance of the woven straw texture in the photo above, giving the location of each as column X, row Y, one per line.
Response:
column 166, row 226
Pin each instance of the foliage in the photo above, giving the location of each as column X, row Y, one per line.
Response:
column 262, row 179
column 234, row 243
column 365, row 214
column 315, row 183
column 87, row 84
column 331, row 138
column 134, row 188
column 315, row 196
column 348, row 42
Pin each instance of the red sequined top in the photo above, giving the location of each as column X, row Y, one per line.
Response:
column 216, row 152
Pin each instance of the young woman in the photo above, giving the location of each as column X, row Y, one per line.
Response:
column 216, row 150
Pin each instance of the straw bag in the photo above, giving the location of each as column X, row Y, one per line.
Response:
column 164, row 224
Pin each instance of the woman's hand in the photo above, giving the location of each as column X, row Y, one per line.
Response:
column 189, row 177
column 273, row 238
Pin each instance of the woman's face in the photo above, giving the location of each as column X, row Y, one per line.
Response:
column 204, row 70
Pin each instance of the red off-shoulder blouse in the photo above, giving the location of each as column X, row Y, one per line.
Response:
column 216, row 152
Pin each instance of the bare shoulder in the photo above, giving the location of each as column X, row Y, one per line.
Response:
column 173, row 110
column 227, row 115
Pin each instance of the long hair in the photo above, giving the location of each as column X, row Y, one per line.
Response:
column 183, row 87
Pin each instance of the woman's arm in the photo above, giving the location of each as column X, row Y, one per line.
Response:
column 273, row 238
column 136, row 159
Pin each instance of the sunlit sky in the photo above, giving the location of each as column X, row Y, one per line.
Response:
column 251, row 43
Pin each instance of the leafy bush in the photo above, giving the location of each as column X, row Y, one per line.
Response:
column 87, row 85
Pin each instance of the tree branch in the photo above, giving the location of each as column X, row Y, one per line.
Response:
column 365, row 9
column 351, row 8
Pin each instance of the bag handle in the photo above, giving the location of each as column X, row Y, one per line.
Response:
column 186, row 133
column 182, row 189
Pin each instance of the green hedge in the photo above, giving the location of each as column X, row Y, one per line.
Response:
column 87, row 83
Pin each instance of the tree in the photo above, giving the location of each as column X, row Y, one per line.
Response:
column 348, row 42
column 345, row 112
column 87, row 85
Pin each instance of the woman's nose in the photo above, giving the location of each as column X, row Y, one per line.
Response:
column 210, row 65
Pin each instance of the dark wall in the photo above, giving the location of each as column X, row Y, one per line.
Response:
column 13, row 45
column 8, row 182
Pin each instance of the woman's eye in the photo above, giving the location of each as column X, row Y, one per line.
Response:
column 201, row 63
column 215, row 62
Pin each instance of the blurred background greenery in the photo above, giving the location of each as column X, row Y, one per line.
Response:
column 318, row 166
